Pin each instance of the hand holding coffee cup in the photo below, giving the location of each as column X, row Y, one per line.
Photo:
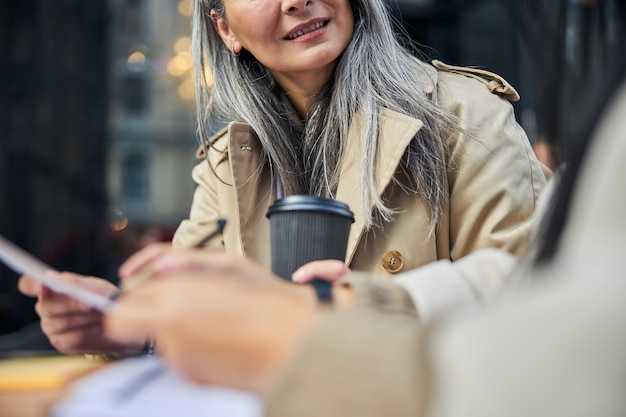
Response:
column 306, row 228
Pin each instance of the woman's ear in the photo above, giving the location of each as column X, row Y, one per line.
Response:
column 223, row 29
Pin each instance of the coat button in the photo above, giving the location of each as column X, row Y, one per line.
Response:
column 392, row 261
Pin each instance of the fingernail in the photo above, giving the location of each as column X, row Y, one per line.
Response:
column 296, row 276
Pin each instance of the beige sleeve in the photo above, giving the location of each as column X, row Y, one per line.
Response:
column 379, row 293
column 442, row 287
column 359, row 362
column 494, row 176
column 555, row 349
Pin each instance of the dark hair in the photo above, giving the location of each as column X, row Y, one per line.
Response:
column 582, row 86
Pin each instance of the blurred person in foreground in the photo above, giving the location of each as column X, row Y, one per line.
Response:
column 554, row 346
column 322, row 98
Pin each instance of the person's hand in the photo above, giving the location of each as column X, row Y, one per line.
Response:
column 139, row 264
column 220, row 319
column 162, row 260
column 71, row 326
column 330, row 270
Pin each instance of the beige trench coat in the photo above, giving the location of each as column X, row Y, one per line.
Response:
column 493, row 182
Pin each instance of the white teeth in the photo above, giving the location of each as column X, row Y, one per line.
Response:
column 306, row 30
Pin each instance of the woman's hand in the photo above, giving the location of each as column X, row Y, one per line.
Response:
column 141, row 260
column 71, row 326
column 330, row 270
column 218, row 318
column 163, row 261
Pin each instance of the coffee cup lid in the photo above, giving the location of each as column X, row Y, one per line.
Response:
column 309, row 203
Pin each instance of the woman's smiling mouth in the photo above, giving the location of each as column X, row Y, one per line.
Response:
column 306, row 30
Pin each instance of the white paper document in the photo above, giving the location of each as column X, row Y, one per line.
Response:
column 23, row 262
column 146, row 387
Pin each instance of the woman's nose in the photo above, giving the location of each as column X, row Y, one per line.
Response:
column 291, row 6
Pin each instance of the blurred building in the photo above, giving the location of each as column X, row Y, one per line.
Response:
column 53, row 139
column 151, row 110
column 96, row 133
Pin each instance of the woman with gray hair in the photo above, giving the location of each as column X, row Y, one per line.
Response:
column 320, row 97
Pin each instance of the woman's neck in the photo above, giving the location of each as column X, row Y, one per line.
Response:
column 301, row 89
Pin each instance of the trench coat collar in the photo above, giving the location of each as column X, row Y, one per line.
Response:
column 397, row 131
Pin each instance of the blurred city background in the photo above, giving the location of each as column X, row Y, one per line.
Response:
column 97, row 132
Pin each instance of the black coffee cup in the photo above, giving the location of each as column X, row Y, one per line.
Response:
column 305, row 228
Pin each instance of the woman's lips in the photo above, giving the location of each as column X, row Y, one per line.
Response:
column 311, row 28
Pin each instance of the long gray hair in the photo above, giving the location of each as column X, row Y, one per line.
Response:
column 375, row 71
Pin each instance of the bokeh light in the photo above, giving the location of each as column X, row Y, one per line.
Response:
column 182, row 44
column 184, row 7
column 137, row 62
column 119, row 221
column 180, row 64
column 186, row 89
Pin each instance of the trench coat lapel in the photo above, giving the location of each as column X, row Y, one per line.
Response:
column 397, row 130
column 254, row 191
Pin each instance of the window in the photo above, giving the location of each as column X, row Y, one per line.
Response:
column 135, row 178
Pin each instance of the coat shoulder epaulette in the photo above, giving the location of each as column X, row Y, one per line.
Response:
column 201, row 153
column 495, row 83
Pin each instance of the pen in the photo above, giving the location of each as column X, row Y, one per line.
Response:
column 147, row 272
column 221, row 223
column 136, row 383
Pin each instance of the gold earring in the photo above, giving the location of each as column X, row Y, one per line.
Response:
column 232, row 50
